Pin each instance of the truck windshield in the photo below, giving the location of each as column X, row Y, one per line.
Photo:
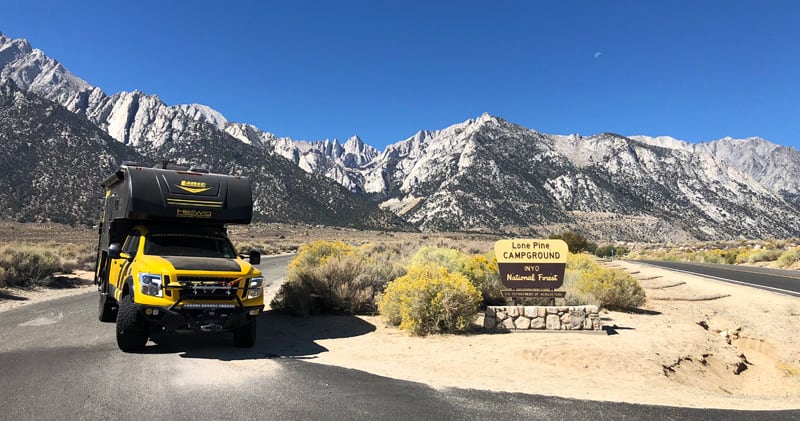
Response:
column 190, row 245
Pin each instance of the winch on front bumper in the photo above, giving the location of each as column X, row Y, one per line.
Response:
column 204, row 304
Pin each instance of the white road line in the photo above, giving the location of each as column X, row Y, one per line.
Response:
column 784, row 291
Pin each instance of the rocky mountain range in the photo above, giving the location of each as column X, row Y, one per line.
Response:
column 484, row 175
column 60, row 137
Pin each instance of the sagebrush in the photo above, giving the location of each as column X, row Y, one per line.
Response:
column 430, row 299
column 614, row 289
column 480, row 269
column 25, row 265
column 329, row 276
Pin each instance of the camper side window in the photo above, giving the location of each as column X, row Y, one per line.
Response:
column 132, row 243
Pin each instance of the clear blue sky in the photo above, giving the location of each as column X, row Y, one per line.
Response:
column 694, row 70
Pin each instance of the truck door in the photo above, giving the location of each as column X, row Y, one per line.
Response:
column 120, row 268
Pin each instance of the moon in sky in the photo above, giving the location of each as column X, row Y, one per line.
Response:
column 597, row 55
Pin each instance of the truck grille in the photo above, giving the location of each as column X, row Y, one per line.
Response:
column 208, row 288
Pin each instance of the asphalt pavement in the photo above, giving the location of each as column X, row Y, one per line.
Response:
column 777, row 280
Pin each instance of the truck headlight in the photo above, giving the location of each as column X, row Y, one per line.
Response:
column 150, row 284
column 255, row 289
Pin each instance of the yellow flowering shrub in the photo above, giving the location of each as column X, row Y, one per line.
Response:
column 613, row 288
column 479, row 269
column 789, row 257
column 430, row 299
column 581, row 262
column 317, row 252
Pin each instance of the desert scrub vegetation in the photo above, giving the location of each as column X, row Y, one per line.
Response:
column 27, row 265
column 577, row 264
column 614, row 289
column 435, row 289
column 587, row 282
column 264, row 247
column 333, row 276
column 430, row 299
column 789, row 257
column 730, row 252
column 480, row 269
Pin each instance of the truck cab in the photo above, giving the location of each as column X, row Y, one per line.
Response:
column 164, row 261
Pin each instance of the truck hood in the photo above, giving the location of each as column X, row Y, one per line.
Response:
column 204, row 263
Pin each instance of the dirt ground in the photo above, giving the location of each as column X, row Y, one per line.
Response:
column 697, row 342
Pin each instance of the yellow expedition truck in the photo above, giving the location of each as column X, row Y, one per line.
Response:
column 164, row 261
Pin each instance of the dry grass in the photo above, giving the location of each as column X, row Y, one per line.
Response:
column 767, row 253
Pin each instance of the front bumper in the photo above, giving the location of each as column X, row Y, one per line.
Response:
column 199, row 317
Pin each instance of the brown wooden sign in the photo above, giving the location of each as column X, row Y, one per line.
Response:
column 531, row 264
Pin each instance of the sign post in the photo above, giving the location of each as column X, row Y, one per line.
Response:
column 532, row 267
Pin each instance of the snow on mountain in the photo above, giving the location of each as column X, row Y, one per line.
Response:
column 145, row 126
column 774, row 167
column 204, row 113
column 484, row 174
column 31, row 70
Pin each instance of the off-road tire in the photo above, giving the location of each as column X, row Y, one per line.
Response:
column 131, row 326
column 107, row 312
column 245, row 336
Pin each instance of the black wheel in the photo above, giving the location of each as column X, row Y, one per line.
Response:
column 107, row 312
column 245, row 336
column 131, row 326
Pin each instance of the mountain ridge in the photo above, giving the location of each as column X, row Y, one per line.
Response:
column 483, row 174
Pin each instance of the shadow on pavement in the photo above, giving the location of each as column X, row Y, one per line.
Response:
column 278, row 336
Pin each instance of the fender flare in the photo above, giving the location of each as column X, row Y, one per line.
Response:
column 127, row 287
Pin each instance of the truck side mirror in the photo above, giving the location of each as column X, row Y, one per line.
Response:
column 114, row 250
column 255, row 258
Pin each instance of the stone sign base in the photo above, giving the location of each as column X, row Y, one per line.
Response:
column 505, row 318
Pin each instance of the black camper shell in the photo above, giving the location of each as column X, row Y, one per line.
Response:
column 177, row 196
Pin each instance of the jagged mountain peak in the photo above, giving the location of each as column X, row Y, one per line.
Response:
column 355, row 142
column 204, row 113
column 13, row 48
column 31, row 69
column 482, row 174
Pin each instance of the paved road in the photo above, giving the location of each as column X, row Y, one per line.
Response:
column 783, row 281
column 58, row 362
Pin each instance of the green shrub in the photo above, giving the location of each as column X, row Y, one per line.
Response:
column 25, row 265
column 613, row 288
column 2, row 277
column 611, row 251
column 430, row 299
column 336, row 277
column 765, row 255
column 789, row 257
column 576, row 242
